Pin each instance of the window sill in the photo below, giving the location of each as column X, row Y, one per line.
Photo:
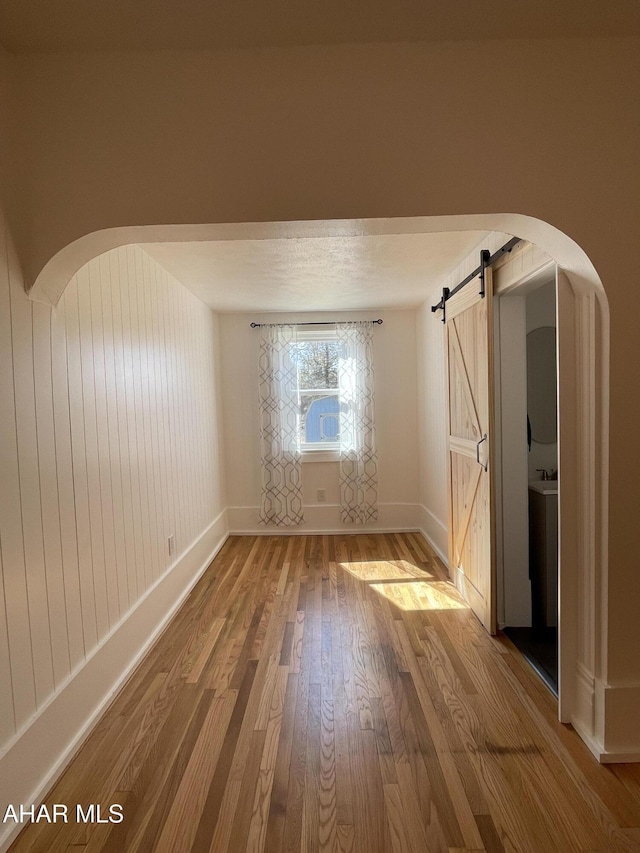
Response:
column 320, row 456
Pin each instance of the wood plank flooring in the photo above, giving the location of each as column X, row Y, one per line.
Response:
column 333, row 693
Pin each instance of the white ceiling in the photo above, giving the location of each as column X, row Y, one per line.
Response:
column 61, row 25
column 315, row 273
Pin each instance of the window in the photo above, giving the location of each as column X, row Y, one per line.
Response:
column 315, row 355
column 316, row 394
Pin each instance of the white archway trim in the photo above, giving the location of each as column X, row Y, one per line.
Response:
column 58, row 271
column 590, row 698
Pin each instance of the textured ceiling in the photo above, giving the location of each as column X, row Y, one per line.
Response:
column 315, row 273
column 27, row 25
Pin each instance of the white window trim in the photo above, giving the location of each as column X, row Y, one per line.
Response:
column 313, row 454
column 328, row 334
column 325, row 451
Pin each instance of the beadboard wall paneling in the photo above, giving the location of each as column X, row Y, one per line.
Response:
column 17, row 668
column 109, row 429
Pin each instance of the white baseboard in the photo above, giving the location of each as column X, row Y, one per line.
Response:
column 605, row 756
column 324, row 518
column 604, row 716
column 435, row 532
column 38, row 754
column 619, row 757
column 620, row 704
column 595, row 748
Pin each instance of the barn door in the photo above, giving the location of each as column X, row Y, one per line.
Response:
column 469, row 334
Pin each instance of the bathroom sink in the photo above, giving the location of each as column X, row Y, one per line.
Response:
column 544, row 487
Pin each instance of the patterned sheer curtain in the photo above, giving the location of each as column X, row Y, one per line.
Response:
column 281, row 502
column 358, row 458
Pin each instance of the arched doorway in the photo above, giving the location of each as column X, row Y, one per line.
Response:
column 583, row 362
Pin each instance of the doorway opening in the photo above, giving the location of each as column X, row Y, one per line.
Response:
column 583, row 364
column 531, row 600
column 509, row 425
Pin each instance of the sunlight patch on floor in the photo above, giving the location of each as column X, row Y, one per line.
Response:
column 386, row 570
column 419, row 595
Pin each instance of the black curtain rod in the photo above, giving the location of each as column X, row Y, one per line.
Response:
column 486, row 261
column 315, row 323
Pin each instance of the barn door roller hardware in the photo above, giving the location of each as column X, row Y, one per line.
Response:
column 486, row 259
column 443, row 302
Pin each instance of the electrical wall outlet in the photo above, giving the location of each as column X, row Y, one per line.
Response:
column 321, row 496
column 171, row 543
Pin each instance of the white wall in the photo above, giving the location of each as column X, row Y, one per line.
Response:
column 109, row 442
column 517, row 312
column 512, row 518
column 396, row 425
column 541, row 311
column 432, row 426
column 7, row 125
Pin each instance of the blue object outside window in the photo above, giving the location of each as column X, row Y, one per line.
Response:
column 323, row 420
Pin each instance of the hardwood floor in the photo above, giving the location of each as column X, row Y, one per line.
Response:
column 333, row 693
